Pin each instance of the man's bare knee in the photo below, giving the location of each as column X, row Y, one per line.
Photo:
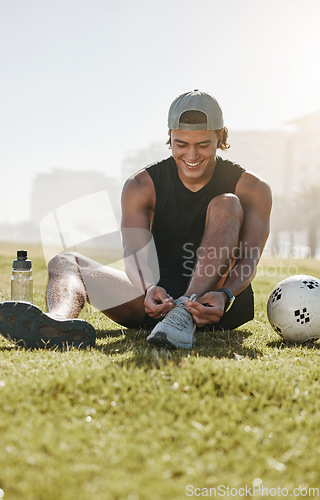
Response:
column 227, row 204
column 63, row 263
column 66, row 292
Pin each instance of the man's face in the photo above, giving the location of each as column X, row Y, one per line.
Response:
column 194, row 152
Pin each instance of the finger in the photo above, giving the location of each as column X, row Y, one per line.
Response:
column 204, row 298
column 156, row 314
column 191, row 305
column 198, row 303
column 206, row 301
column 162, row 294
column 157, row 293
column 199, row 308
column 155, row 300
column 167, row 307
column 200, row 321
column 170, row 299
column 155, row 311
column 206, row 317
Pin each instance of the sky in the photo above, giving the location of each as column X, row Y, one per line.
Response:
column 83, row 82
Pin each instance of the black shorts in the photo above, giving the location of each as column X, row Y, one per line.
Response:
column 242, row 309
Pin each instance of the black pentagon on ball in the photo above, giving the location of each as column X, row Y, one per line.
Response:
column 276, row 294
column 311, row 284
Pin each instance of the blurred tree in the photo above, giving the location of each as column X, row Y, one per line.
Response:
column 307, row 214
column 282, row 219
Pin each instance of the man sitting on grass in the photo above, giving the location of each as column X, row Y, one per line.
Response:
column 209, row 221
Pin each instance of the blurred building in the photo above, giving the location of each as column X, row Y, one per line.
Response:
column 303, row 168
column 62, row 186
column 289, row 159
column 138, row 159
column 265, row 153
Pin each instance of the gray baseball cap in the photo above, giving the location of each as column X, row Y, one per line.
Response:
column 197, row 101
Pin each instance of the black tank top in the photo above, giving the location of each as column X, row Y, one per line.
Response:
column 179, row 216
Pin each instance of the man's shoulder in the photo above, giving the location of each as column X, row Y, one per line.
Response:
column 247, row 180
column 145, row 175
column 139, row 189
column 252, row 186
column 250, row 179
column 139, row 180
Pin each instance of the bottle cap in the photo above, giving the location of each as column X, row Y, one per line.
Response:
column 22, row 262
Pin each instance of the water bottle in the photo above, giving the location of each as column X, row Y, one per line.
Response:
column 21, row 280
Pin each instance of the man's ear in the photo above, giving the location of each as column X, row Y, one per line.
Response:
column 218, row 132
column 169, row 140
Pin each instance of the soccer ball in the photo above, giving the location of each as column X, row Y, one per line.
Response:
column 294, row 308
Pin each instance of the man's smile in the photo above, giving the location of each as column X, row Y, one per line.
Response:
column 195, row 164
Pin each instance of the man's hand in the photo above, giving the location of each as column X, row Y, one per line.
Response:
column 207, row 309
column 157, row 302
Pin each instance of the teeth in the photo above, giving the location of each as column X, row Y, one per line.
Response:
column 193, row 164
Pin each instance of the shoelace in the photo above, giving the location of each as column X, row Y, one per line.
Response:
column 179, row 319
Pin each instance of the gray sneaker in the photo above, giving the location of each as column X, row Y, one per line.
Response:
column 176, row 329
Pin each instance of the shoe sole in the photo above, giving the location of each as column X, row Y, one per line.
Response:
column 160, row 339
column 21, row 323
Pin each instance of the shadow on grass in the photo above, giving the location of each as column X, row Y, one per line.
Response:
column 209, row 344
column 285, row 344
column 131, row 346
column 112, row 333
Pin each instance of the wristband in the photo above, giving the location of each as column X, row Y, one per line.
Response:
column 230, row 298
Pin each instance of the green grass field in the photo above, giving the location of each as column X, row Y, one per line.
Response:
column 128, row 421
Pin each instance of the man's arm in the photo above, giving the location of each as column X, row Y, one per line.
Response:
column 140, row 257
column 255, row 198
column 137, row 202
